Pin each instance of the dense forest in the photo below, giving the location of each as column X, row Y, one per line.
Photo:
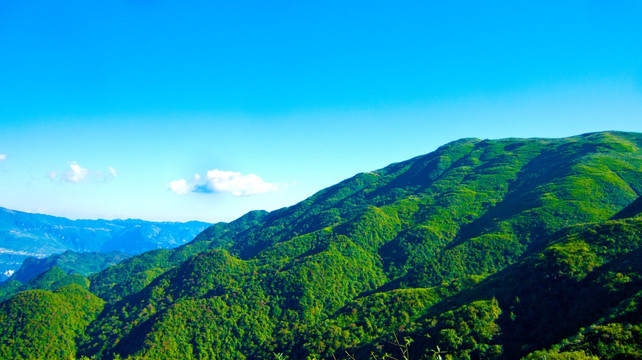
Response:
column 482, row 249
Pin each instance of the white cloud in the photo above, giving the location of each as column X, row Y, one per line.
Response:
column 52, row 174
column 75, row 174
column 112, row 171
column 180, row 187
column 3, row 157
column 236, row 183
column 220, row 181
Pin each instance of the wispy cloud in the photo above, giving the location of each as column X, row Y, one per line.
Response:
column 220, row 181
column 77, row 174
column 3, row 157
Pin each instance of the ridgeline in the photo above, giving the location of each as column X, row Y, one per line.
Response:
column 482, row 249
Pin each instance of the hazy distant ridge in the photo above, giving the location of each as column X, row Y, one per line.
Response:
column 25, row 235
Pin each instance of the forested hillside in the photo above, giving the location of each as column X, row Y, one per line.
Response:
column 482, row 249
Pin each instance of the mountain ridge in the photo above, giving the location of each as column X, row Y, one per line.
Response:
column 70, row 261
column 474, row 250
column 37, row 235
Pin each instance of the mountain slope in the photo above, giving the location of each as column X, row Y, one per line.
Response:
column 436, row 212
column 52, row 279
column 39, row 324
column 584, row 273
column 490, row 248
column 633, row 210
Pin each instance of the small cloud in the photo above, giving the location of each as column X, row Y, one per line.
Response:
column 52, row 174
column 220, row 181
column 75, row 174
column 113, row 171
column 3, row 157
column 180, row 187
column 236, row 183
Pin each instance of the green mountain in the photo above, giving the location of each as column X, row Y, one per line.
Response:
column 51, row 280
column 482, row 249
column 40, row 324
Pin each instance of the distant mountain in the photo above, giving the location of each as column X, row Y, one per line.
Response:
column 24, row 235
column 70, row 262
column 482, row 249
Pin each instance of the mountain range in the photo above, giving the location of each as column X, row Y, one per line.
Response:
column 482, row 249
column 24, row 235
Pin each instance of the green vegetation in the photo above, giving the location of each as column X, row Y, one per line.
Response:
column 39, row 324
column 51, row 280
column 480, row 250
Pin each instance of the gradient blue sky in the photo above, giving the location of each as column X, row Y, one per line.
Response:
column 105, row 107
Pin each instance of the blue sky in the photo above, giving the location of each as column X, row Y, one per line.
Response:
column 171, row 111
